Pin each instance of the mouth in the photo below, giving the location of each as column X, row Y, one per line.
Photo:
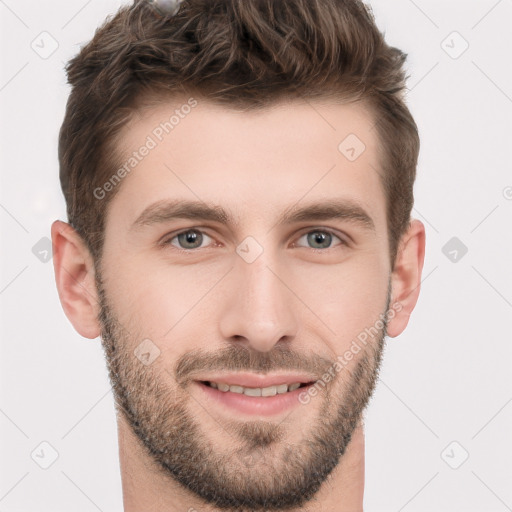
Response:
column 268, row 391
column 235, row 399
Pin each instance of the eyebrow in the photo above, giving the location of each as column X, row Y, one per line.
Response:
column 166, row 210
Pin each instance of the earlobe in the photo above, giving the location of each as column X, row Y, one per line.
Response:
column 406, row 277
column 75, row 279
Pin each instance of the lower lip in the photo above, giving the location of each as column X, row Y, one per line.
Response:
column 254, row 405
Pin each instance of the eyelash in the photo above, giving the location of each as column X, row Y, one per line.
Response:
column 343, row 242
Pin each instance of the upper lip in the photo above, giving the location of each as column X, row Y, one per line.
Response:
column 253, row 380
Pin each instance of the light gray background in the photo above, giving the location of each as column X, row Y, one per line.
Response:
column 446, row 379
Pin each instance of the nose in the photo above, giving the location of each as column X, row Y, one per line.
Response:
column 258, row 309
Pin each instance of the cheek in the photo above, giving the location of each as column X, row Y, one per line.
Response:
column 347, row 298
column 160, row 301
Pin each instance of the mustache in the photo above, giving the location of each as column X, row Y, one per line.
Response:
column 238, row 359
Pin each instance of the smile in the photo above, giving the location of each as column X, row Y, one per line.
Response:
column 249, row 391
column 235, row 399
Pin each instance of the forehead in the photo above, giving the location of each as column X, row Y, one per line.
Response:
column 254, row 163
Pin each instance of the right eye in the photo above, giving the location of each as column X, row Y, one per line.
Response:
column 189, row 239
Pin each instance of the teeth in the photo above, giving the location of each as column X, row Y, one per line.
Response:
column 283, row 388
column 269, row 391
column 252, row 391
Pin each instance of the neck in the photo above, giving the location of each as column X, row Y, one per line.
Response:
column 145, row 488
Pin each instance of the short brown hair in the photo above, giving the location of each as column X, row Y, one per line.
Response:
column 246, row 54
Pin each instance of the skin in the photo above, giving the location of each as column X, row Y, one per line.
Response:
column 297, row 306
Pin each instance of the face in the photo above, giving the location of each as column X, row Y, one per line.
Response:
column 246, row 250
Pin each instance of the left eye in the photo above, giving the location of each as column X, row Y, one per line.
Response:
column 321, row 239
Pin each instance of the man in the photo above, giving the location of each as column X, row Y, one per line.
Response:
column 239, row 182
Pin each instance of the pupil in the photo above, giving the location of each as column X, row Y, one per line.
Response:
column 319, row 238
column 189, row 237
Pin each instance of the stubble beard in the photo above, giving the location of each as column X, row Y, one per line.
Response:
column 256, row 469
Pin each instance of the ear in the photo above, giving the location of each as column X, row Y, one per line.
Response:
column 406, row 277
column 75, row 278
